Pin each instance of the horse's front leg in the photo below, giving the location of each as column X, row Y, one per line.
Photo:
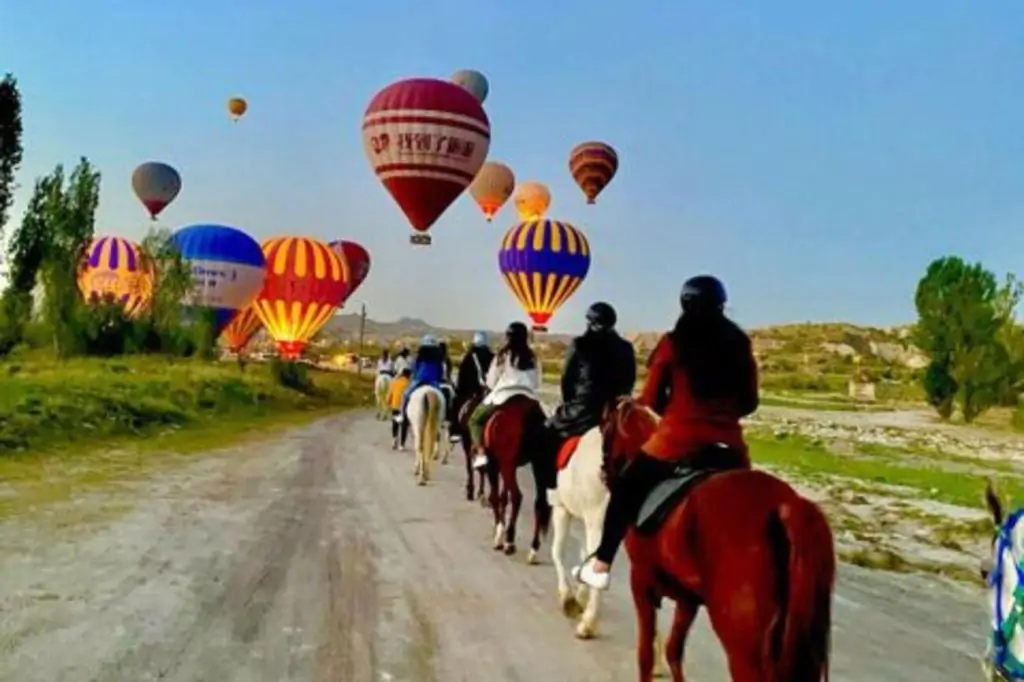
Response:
column 560, row 521
column 647, row 624
column 517, row 504
column 466, row 450
column 587, row 627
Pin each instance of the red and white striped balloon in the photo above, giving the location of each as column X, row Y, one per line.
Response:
column 425, row 139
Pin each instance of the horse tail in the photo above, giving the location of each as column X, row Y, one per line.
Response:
column 431, row 422
column 796, row 647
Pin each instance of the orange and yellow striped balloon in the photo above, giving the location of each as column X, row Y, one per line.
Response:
column 306, row 281
column 241, row 329
column 117, row 269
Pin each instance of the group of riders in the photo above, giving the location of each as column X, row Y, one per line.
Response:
column 702, row 379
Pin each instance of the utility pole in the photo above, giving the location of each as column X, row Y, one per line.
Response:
column 362, row 333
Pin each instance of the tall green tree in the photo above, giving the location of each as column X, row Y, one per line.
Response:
column 47, row 248
column 10, row 160
column 964, row 316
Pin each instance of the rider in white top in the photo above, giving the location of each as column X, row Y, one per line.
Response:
column 506, row 381
column 401, row 361
column 385, row 365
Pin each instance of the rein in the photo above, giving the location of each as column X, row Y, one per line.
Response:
column 1006, row 665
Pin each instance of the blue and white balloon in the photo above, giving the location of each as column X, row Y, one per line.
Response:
column 228, row 269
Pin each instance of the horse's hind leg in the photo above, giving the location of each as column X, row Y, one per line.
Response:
column 497, row 505
column 647, row 625
column 469, row 467
column 517, row 504
column 682, row 621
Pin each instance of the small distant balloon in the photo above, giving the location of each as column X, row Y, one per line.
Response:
column 593, row 165
column 473, row 81
column 532, row 199
column 237, row 106
column 492, row 187
column 156, row 184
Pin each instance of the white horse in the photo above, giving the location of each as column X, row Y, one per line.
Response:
column 582, row 495
column 381, row 389
column 1004, row 572
column 426, row 416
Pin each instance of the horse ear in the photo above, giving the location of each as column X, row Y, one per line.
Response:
column 993, row 502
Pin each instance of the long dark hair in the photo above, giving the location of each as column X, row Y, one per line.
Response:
column 429, row 354
column 517, row 346
column 715, row 354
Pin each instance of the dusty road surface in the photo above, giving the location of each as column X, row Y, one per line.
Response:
column 313, row 556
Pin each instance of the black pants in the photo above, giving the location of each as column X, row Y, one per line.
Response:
column 400, row 431
column 627, row 496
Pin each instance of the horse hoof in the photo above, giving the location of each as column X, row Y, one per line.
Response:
column 484, row 502
column 531, row 558
column 571, row 608
column 469, row 496
column 421, row 481
column 584, row 631
column 510, row 548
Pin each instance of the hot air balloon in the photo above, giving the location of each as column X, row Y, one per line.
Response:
column 156, row 185
column 425, row 139
column 543, row 262
column 358, row 260
column 117, row 267
column 241, row 329
column 492, row 187
column 237, row 106
column 532, row 200
column 305, row 283
column 473, row 81
column 228, row 269
column 593, row 165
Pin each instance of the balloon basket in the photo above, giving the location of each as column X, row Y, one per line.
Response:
column 539, row 328
column 420, row 239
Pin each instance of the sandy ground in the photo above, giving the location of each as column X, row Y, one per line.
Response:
column 315, row 557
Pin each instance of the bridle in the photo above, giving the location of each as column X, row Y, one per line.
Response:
column 1005, row 665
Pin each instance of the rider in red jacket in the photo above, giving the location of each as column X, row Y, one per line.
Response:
column 702, row 379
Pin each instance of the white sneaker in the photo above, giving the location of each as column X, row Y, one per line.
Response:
column 480, row 461
column 586, row 575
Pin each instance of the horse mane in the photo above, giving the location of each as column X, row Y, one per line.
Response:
column 629, row 420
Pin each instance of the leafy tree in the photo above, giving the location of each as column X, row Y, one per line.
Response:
column 10, row 144
column 963, row 316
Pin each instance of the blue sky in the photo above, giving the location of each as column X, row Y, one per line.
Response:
column 814, row 155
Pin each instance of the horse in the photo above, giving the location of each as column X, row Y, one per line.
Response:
column 460, row 427
column 425, row 413
column 739, row 542
column 1003, row 571
column 381, row 389
column 514, row 436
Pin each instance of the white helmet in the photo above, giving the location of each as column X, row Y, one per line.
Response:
column 479, row 339
column 429, row 340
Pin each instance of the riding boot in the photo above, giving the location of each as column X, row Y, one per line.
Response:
column 627, row 496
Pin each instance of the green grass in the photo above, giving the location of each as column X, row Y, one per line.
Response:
column 823, row 405
column 71, row 426
column 809, row 459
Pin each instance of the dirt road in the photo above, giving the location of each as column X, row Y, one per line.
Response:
column 315, row 557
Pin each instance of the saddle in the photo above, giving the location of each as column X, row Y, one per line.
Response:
column 670, row 493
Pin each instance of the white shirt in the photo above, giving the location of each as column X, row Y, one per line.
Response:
column 385, row 366
column 400, row 364
column 505, row 381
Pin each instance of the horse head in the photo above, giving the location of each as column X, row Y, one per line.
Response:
column 625, row 427
column 1004, row 573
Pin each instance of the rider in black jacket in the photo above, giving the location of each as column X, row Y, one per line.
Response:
column 472, row 377
column 599, row 367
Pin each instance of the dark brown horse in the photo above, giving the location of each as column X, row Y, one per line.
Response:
column 742, row 544
column 514, row 437
column 460, row 427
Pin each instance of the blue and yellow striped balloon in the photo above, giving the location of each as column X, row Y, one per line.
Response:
column 543, row 263
column 118, row 268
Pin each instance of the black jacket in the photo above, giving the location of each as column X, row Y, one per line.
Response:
column 599, row 367
column 471, row 379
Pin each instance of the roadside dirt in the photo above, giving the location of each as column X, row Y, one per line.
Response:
column 314, row 557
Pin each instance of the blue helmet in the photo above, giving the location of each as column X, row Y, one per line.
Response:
column 479, row 339
column 703, row 292
column 429, row 340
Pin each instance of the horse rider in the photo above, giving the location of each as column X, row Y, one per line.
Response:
column 447, row 385
column 427, row 368
column 702, row 379
column 600, row 366
column 471, row 381
column 399, row 424
column 402, row 361
column 515, row 371
column 385, row 364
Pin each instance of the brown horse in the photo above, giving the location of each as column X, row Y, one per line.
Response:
column 460, row 428
column 741, row 543
column 514, row 437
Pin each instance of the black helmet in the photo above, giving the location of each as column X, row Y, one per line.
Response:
column 517, row 331
column 703, row 292
column 601, row 316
